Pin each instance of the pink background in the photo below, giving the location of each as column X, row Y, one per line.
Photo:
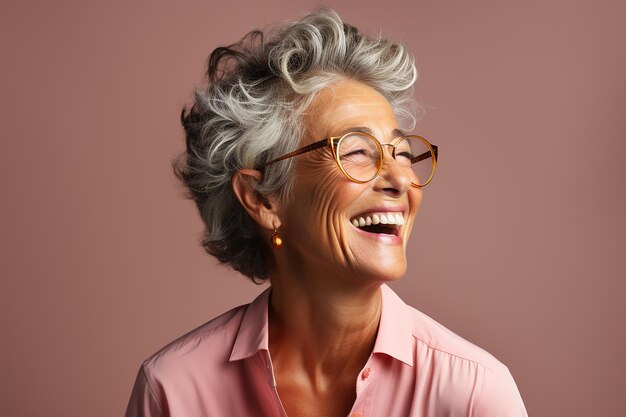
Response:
column 518, row 247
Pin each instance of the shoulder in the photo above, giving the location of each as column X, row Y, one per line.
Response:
column 434, row 336
column 170, row 378
column 210, row 342
column 468, row 366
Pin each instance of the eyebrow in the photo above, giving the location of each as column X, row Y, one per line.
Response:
column 396, row 132
column 363, row 129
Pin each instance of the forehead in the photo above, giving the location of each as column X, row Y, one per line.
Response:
column 347, row 104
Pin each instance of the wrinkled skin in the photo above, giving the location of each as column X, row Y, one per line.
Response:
column 316, row 224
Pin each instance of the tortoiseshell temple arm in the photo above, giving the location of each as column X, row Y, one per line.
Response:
column 426, row 155
column 300, row 151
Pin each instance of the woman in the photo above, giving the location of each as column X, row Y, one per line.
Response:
column 304, row 176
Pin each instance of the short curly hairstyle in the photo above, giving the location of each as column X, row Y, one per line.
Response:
column 252, row 111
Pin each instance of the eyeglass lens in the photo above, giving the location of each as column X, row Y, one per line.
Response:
column 359, row 156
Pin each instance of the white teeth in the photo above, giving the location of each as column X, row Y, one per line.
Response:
column 378, row 218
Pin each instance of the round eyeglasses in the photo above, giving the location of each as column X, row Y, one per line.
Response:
column 359, row 156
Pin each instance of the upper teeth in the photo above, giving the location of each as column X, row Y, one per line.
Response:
column 378, row 218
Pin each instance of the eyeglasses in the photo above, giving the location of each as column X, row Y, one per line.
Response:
column 359, row 156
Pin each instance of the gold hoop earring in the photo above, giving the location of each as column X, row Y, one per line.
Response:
column 277, row 241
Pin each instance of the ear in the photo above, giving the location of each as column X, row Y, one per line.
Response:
column 264, row 210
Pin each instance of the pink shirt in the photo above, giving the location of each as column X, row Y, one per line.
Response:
column 418, row 368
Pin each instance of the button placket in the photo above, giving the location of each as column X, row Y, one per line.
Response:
column 364, row 378
column 267, row 360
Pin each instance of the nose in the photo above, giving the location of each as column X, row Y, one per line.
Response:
column 393, row 179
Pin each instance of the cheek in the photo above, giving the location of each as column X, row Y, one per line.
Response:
column 321, row 195
column 415, row 200
column 415, row 197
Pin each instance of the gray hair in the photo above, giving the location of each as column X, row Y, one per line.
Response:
column 252, row 110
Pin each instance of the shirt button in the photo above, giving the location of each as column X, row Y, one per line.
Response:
column 356, row 415
column 365, row 374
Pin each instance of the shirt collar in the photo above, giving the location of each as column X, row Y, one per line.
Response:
column 394, row 336
column 253, row 334
column 395, row 333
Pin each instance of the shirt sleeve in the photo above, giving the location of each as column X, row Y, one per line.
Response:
column 143, row 402
column 499, row 396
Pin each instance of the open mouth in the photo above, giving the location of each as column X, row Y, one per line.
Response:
column 379, row 223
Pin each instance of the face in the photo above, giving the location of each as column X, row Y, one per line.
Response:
column 318, row 224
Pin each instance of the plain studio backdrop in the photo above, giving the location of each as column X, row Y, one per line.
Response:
column 518, row 245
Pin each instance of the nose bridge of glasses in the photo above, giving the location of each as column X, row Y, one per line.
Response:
column 388, row 160
column 392, row 151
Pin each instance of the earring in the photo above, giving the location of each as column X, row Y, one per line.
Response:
column 277, row 241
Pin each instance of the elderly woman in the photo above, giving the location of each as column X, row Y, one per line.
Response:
column 303, row 170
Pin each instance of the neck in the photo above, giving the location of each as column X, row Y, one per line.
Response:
column 322, row 329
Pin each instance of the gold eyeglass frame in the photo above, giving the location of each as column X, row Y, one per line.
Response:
column 334, row 141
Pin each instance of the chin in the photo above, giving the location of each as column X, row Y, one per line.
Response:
column 386, row 272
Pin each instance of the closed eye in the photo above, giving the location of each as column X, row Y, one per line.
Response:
column 355, row 153
column 407, row 155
